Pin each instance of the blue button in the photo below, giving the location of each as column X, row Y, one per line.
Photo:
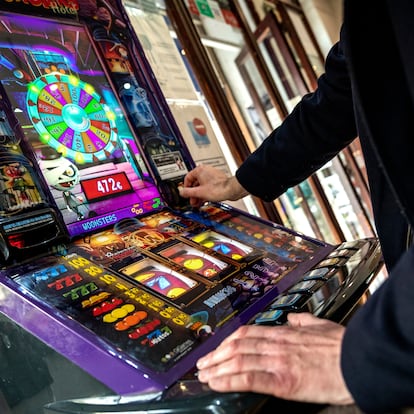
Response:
column 285, row 301
column 269, row 316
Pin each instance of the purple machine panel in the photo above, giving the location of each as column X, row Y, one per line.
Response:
column 136, row 290
column 139, row 321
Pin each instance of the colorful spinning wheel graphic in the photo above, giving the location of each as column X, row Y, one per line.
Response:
column 71, row 117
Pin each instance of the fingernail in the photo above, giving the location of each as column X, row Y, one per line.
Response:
column 201, row 363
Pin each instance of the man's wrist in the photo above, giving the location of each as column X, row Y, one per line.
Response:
column 235, row 189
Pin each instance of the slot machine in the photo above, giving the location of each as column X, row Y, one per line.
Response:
column 117, row 286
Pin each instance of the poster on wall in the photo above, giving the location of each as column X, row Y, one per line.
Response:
column 199, row 135
column 162, row 55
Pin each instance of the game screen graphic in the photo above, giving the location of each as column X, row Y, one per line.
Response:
column 289, row 247
column 72, row 119
column 159, row 278
column 18, row 186
column 139, row 324
column 219, row 243
column 25, row 205
column 129, row 237
column 195, row 260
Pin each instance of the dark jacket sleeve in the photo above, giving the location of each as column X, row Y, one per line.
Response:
column 317, row 129
column 378, row 348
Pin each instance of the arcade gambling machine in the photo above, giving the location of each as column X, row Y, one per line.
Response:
column 111, row 287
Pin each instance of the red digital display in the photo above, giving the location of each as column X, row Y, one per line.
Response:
column 102, row 187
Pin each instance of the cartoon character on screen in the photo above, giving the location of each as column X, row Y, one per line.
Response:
column 63, row 175
column 198, row 323
column 109, row 30
column 16, row 186
column 249, row 288
column 136, row 100
column 7, row 136
column 109, row 17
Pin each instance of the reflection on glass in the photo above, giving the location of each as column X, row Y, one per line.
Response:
column 282, row 76
column 308, row 44
column 272, row 116
column 345, row 206
column 305, row 213
column 33, row 374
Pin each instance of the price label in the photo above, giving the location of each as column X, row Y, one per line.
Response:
column 103, row 187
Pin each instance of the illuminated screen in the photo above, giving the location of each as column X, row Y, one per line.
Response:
column 221, row 244
column 159, row 278
column 72, row 118
column 194, row 260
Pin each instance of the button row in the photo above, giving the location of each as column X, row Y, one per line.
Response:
column 302, row 292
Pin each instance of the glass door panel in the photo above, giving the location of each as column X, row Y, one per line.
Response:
column 261, row 76
column 299, row 33
column 348, row 168
column 340, row 189
column 305, row 207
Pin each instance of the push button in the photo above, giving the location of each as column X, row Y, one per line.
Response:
column 321, row 273
column 294, row 301
column 306, row 286
column 350, row 245
column 342, row 253
column 270, row 317
column 334, row 261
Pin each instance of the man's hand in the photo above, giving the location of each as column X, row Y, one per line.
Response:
column 206, row 183
column 299, row 361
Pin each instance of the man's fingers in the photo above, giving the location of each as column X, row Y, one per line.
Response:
column 190, row 178
column 263, row 383
column 266, row 340
column 230, row 351
column 192, row 193
column 302, row 326
column 304, row 319
column 187, row 192
column 254, row 373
